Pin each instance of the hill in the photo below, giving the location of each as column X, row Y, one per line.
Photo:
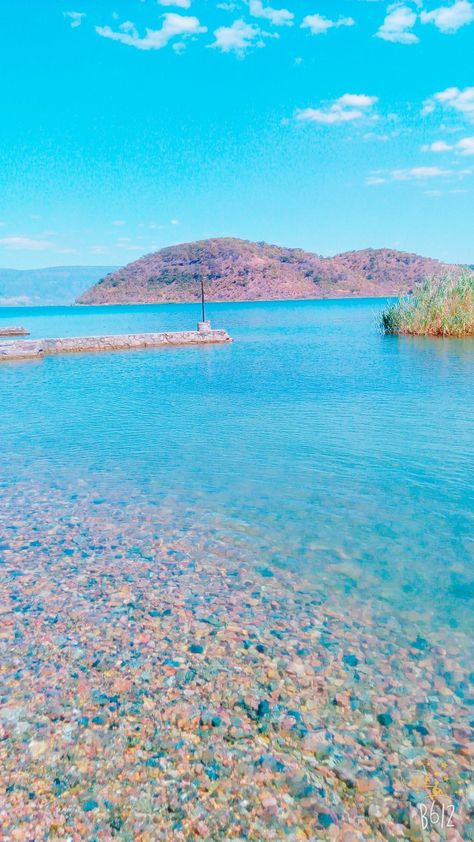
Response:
column 239, row 270
column 56, row 285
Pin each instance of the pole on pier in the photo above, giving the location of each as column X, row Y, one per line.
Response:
column 203, row 326
column 203, row 301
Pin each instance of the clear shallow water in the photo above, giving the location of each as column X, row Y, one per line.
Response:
column 312, row 441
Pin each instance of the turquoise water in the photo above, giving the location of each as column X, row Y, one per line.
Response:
column 312, row 441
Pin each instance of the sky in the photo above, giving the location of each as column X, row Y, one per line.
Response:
column 330, row 125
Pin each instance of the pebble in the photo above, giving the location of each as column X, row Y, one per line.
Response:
column 109, row 729
column 90, row 805
column 196, row 648
column 263, row 709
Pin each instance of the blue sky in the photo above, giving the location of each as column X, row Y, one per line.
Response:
column 128, row 125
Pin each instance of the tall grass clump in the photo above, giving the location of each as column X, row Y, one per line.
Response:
column 438, row 307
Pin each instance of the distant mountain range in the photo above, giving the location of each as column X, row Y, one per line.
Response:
column 57, row 285
column 239, row 270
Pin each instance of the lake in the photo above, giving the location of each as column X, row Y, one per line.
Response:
column 312, row 439
column 312, row 448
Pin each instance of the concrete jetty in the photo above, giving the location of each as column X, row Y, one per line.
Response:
column 38, row 348
column 14, row 331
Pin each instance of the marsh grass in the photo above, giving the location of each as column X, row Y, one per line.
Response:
column 438, row 307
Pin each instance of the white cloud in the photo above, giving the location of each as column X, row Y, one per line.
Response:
column 457, row 99
column 437, row 146
column 154, row 39
column 346, row 108
column 75, row 18
column 398, row 24
column 175, row 222
column 420, row 173
column 330, row 116
column 118, row 222
column 357, row 100
column 401, row 18
column 465, row 146
column 319, row 25
column 181, row 4
column 25, row 244
column 416, row 174
column 381, row 137
column 277, row 17
column 448, row 19
column 126, row 245
column 238, row 37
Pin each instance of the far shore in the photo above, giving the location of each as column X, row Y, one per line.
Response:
column 196, row 301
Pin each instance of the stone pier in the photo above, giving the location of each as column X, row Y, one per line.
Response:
column 14, row 331
column 38, row 348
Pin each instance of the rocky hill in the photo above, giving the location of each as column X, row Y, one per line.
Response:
column 56, row 285
column 239, row 270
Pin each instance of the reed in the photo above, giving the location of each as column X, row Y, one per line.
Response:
column 438, row 307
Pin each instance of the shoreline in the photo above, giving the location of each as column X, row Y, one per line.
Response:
column 230, row 300
column 198, row 301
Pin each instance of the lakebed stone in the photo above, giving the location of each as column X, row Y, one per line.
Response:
column 131, row 735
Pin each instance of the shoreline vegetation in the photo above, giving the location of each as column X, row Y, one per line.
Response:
column 438, row 307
